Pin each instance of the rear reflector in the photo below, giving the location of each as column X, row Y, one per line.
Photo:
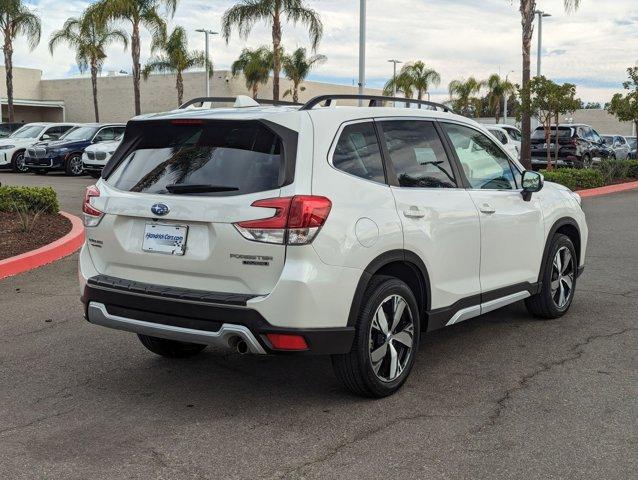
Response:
column 296, row 220
column 286, row 341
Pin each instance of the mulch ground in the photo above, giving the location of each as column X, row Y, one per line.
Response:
column 14, row 241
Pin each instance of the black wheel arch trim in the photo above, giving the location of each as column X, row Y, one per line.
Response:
column 391, row 256
column 561, row 222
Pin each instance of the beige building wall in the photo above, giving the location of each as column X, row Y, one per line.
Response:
column 26, row 83
column 158, row 93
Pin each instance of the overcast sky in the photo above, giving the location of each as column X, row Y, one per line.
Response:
column 591, row 48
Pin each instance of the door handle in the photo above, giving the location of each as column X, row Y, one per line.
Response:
column 487, row 208
column 414, row 212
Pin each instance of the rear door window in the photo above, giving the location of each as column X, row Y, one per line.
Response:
column 224, row 158
column 417, row 154
column 357, row 152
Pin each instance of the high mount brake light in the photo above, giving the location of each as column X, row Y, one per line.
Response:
column 187, row 121
column 296, row 220
column 92, row 215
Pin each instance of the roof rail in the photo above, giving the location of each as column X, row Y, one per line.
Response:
column 374, row 101
column 233, row 99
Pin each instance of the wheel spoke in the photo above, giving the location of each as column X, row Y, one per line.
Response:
column 405, row 336
column 557, row 262
column 561, row 296
column 555, row 284
column 399, row 308
column 567, row 261
column 380, row 321
column 394, row 363
column 377, row 355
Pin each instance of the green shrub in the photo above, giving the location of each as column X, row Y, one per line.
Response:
column 29, row 199
column 574, row 178
column 612, row 169
column 632, row 168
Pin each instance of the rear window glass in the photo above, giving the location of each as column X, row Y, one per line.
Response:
column 563, row 132
column 238, row 157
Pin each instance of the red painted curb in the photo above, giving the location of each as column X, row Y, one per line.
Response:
column 595, row 192
column 49, row 253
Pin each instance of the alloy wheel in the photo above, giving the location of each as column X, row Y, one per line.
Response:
column 391, row 338
column 75, row 164
column 562, row 280
column 20, row 165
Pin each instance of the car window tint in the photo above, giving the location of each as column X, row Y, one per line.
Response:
column 514, row 134
column 500, row 136
column 417, row 154
column 357, row 152
column 485, row 165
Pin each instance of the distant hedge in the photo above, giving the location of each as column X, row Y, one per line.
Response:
column 34, row 199
column 574, row 178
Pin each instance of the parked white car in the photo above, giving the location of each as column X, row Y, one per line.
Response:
column 348, row 231
column 513, row 147
column 513, row 132
column 97, row 155
column 13, row 147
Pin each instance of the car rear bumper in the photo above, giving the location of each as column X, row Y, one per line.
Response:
column 207, row 318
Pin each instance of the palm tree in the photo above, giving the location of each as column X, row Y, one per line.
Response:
column 462, row 93
column 90, row 40
column 255, row 65
column 528, row 9
column 16, row 19
column 175, row 58
column 498, row 88
column 139, row 13
column 246, row 13
column 414, row 76
column 296, row 67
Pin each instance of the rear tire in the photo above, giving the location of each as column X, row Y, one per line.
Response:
column 385, row 345
column 558, row 282
column 17, row 163
column 170, row 348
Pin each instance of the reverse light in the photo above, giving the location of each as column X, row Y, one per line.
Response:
column 287, row 341
column 296, row 220
column 92, row 215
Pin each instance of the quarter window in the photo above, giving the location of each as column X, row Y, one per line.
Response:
column 485, row 165
column 358, row 153
column 417, row 154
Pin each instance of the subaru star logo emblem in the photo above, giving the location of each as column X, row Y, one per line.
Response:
column 160, row 209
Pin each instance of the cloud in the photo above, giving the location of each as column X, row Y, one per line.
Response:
column 458, row 38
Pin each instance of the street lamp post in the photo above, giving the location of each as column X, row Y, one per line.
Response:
column 362, row 46
column 541, row 15
column 394, row 77
column 206, row 34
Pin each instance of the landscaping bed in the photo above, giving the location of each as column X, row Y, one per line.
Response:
column 608, row 172
column 48, row 228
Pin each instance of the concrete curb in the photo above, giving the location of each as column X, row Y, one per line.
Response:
column 595, row 192
column 48, row 254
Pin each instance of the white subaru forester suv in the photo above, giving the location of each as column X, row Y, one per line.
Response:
column 321, row 229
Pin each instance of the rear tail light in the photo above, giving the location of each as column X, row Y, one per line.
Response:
column 287, row 341
column 296, row 220
column 92, row 215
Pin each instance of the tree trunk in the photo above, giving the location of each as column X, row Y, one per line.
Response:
column 556, row 146
column 527, row 9
column 179, row 85
column 135, row 52
column 295, row 91
column 548, row 152
column 255, row 89
column 94, row 87
column 276, row 45
column 8, row 63
column 497, row 114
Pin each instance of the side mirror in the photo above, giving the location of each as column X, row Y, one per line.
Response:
column 532, row 182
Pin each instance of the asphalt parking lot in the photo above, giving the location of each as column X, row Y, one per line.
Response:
column 500, row 396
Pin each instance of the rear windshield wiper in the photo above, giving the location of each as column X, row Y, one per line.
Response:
column 201, row 188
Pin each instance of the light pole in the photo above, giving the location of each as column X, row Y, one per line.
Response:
column 394, row 78
column 541, row 15
column 362, row 46
column 206, row 34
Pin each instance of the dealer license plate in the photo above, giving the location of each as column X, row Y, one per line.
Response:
column 165, row 238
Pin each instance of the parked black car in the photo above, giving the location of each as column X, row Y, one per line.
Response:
column 632, row 141
column 7, row 128
column 66, row 153
column 579, row 146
